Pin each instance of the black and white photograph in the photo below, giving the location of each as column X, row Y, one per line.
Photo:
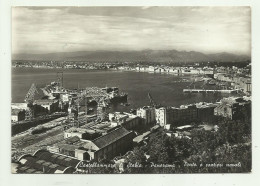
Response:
column 131, row 90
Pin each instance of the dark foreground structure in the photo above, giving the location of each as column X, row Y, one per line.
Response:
column 45, row 162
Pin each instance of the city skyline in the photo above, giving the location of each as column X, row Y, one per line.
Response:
column 69, row 29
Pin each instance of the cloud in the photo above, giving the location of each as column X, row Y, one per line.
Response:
column 58, row 29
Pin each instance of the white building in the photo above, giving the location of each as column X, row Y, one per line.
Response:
column 151, row 69
column 117, row 116
column 160, row 116
column 147, row 114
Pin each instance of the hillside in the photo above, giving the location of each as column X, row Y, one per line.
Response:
column 133, row 56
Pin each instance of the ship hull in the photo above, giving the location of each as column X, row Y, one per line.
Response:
column 119, row 99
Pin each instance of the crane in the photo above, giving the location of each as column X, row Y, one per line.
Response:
column 29, row 99
column 102, row 104
column 60, row 79
column 96, row 94
column 152, row 102
column 102, row 99
column 76, row 107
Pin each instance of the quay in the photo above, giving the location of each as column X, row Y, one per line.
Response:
column 210, row 91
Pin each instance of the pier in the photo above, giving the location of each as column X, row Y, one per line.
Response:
column 210, row 91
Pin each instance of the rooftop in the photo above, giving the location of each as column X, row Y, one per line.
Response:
column 139, row 138
column 43, row 161
column 111, row 137
column 184, row 127
column 16, row 111
column 45, row 101
column 19, row 105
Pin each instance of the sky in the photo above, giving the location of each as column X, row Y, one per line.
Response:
column 68, row 29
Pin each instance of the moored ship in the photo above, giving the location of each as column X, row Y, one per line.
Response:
column 114, row 94
column 55, row 91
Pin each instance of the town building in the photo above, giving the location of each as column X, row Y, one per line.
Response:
column 109, row 145
column 183, row 113
column 127, row 120
column 117, row 116
column 223, row 77
column 233, row 108
column 173, row 71
column 17, row 115
column 160, row 116
column 39, row 110
column 132, row 123
column 173, row 115
column 238, row 82
column 50, row 104
column 19, row 106
column 151, row 68
column 205, row 111
column 81, row 133
column 163, row 115
column 243, row 83
column 147, row 114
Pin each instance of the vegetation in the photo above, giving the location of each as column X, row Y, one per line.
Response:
column 226, row 150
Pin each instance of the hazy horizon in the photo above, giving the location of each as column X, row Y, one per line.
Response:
column 43, row 30
column 206, row 53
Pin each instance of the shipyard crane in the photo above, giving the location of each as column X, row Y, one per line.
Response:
column 152, row 102
column 96, row 94
column 102, row 99
column 76, row 107
column 192, row 83
column 102, row 104
column 60, row 79
column 29, row 99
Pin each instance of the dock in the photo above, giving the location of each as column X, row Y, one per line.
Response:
column 210, row 91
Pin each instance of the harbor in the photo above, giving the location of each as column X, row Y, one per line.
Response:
column 167, row 89
column 131, row 90
column 211, row 91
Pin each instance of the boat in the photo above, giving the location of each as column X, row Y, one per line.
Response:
column 54, row 91
column 119, row 98
column 114, row 95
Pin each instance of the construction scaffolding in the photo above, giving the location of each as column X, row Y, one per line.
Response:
column 152, row 102
column 76, row 107
column 96, row 94
column 102, row 99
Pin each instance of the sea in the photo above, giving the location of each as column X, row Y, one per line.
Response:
column 165, row 89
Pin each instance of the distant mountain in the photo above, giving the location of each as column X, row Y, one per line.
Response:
column 134, row 56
